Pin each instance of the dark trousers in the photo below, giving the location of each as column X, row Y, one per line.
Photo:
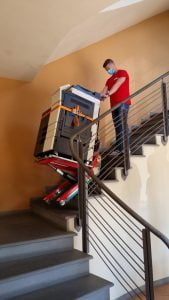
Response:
column 117, row 116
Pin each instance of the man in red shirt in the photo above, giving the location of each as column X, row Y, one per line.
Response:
column 117, row 88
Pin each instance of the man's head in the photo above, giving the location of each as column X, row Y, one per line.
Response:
column 110, row 66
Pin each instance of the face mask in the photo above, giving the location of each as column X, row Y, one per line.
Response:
column 111, row 71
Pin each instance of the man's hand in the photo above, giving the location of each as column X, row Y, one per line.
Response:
column 103, row 96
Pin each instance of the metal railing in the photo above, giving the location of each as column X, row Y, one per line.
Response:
column 114, row 230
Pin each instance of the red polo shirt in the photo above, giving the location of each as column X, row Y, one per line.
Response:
column 123, row 91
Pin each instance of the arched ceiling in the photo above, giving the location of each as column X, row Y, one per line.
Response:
column 35, row 32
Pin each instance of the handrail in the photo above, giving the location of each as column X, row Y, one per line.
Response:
column 124, row 101
column 136, row 216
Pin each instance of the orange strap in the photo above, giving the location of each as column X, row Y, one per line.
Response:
column 75, row 110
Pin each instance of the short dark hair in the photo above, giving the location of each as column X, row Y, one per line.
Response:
column 107, row 61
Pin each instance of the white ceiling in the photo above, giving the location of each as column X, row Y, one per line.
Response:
column 35, row 32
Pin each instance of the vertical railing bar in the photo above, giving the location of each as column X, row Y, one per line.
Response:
column 82, row 200
column 148, row 264
column 165, row 112
column 125, row 143
column 80, row 187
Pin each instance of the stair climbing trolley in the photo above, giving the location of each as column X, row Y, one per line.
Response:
column 72, row 108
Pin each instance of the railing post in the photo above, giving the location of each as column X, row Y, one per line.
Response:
column 82, row 198
column 165, row 112
column 126, row 147
column 148, row 264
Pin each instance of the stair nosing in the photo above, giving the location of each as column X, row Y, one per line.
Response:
column 138, row 155
column 104, row 285
column 151, row 145
column 54, row 212
column 86, row 257
column 94, row 292
column 28, row 274
column 36, row 240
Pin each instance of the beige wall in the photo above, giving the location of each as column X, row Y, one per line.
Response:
column 145, row 190
column 142, row 49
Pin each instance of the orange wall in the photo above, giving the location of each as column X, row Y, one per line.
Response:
column 142, row 49
column 20, row 177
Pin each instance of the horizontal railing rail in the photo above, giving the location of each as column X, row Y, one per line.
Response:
column 141, row 220
column 81, row 130
column 128, row 222
column 99, row 182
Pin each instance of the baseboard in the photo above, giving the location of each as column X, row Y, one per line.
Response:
column 161, row 282
column 14, row 212
column 157, row 283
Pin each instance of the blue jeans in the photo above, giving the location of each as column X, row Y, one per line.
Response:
column 118, row 124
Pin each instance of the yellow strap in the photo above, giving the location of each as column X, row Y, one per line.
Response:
column 75, row 110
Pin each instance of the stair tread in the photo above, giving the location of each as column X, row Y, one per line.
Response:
column 25, row 227
column 111, row 161
column 60, row 212
column 22, row 266
column 73, row 289
column 148, row 127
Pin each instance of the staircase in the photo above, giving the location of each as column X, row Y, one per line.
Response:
column 37, row 258
column 37, row 261
column 117, row 236
column 141, row 134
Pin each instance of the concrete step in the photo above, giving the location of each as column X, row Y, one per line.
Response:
column 89, row 287
column 26, row 275
column 135, row 140
column 136, row 149
column 26, row 234
column 147, row 130
column 106, row 172
column 63, row 218
column 111, row 160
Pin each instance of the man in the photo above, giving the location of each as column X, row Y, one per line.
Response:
column 117, row 88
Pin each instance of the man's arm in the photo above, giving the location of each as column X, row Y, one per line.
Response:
column 117, row 85
column 104, row 92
